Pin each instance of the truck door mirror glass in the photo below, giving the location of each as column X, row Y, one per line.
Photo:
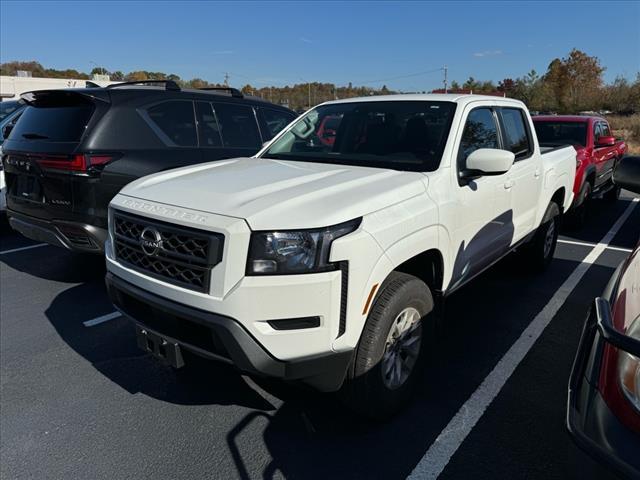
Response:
column 605, row 141
column 488, row 161
column 627, row 174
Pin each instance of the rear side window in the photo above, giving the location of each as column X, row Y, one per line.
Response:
column 176, row 121
column 208, row 129
column 515, row 132
column 597, row 131
column 480, row 131
column 275, row 121
column 53, row 124
column 237, row 125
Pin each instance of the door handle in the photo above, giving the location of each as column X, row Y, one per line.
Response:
column 537, row 174
column 508, row 184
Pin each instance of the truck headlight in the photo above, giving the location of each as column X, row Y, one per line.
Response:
column 629, row 369
column 295, row 251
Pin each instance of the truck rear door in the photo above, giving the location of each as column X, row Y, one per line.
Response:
column 525, row 177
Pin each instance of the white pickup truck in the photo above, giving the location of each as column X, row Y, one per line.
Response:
column 321, row 259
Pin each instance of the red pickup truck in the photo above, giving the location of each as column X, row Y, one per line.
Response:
column 598, row 153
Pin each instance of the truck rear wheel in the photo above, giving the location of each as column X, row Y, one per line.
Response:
column 579, row 215
column 389, row 354
column 612, row 195
column 539, row 252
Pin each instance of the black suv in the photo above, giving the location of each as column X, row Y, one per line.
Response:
column 73, row 150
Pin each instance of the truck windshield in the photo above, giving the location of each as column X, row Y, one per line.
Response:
column 553, row 134
column 400, row 135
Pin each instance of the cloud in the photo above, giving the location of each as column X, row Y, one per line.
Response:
column 223, row 52
column 305, row 40
column 488, row 53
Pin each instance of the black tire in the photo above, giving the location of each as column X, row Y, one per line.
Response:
column 539, row 252
column 579, row 215
column 367, row 391
column 612, row 195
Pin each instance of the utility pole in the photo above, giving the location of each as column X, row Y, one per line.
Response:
column 226, row 79
column 445, row 79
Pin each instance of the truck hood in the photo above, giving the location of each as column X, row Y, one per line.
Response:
column 276, row 194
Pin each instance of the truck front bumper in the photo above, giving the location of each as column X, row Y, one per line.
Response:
column 221, row 338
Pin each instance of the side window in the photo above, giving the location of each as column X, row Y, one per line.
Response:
column 275, row 121
column 208, row 130
column 480, row 131
column 516, row 135
column 597, row 131
column 605, row 130
column 175, row 119
column 237, row 125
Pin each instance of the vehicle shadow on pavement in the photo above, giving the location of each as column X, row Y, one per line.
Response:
column 314, row 436
column 600, row 217
column 111, row 349
column 50, row 263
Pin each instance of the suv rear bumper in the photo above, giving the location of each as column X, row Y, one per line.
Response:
column 221, row 338
column 74, row 236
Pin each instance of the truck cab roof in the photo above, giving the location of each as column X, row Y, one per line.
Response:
column 461, row 99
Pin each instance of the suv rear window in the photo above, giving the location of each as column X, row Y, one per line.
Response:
column 53, row 124
column 176, row 121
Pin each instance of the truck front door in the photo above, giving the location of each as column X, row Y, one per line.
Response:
column 483, row 223
column 604, row 156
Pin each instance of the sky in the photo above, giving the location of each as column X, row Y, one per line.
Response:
column 401, row 44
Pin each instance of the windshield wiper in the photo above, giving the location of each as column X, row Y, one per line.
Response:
column 34, row 136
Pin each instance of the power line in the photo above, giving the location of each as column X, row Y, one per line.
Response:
column 400, row 76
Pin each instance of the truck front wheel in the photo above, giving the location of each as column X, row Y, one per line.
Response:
column 388, row 357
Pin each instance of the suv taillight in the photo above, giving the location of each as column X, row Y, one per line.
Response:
column 75, row 163
column 619, row 381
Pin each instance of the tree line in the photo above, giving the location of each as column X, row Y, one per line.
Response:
column 571, row 84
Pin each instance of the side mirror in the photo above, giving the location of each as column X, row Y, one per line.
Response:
column 627, row 174
column 488, row 161
column 6, row 130
column 605, row 141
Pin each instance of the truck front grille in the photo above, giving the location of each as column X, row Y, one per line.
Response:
column 175, row 254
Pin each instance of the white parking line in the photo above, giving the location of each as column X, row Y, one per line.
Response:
column 588, row 244
column 449, row 440
column 23, row 248
column 102, row 319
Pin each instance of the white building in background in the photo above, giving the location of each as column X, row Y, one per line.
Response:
column 12, row 87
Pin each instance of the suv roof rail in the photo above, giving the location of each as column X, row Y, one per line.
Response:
column 169, row 84
column 233, row 91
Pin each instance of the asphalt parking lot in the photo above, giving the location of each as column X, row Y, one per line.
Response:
column 79, row 400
